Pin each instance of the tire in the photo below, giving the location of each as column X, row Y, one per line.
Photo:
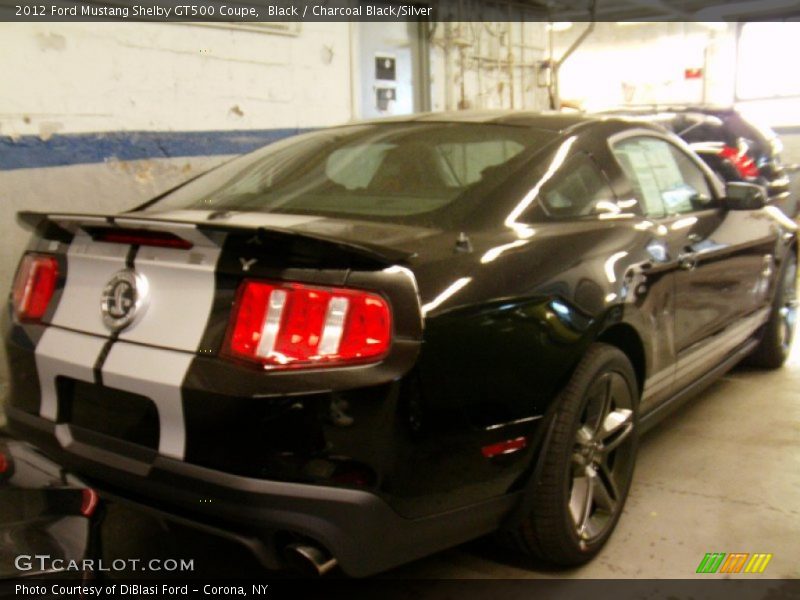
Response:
column 562, row 528
column 776, row 342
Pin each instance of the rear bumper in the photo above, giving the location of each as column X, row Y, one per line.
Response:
column 357, row 527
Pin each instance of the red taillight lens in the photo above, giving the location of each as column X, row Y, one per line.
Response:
column 295, row 325
column 744, row 164
column 34, row 286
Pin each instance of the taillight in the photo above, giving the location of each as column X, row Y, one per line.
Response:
column 296, row 325
column 6, row 464
column 745, row 165
column 34, row 286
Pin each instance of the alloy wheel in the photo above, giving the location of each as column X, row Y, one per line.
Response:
column 788, row 309
column 602, row 454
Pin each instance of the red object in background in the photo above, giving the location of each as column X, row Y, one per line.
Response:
column 696, row 73
column 744, row 164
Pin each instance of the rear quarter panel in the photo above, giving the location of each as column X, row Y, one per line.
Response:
column 497, row 350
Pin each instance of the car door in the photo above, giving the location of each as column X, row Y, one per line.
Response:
column 722, row 259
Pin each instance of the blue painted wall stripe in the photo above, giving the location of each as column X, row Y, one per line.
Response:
column 30, row 152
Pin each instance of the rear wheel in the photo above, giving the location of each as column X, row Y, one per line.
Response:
column 588, row 463
column 773, row 350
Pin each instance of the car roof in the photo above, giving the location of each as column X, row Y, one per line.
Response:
column 646, row 109
column 551, row 121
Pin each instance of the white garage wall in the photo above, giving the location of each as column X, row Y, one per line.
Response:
column 80, row 77
column 162, row 102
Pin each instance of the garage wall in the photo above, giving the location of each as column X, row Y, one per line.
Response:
column 373, row 42
column 101, row 117
column 488, row 65
column 182, row 77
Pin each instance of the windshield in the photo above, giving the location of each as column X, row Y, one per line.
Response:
column 388, row 172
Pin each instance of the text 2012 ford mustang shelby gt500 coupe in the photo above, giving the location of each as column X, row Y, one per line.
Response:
column 371, row 342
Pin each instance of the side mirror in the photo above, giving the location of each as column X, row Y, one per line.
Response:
column 744, row 196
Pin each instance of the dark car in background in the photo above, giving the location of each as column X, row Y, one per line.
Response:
column 371, row 342
column 736, row 147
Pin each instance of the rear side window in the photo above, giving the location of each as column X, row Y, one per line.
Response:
column 664, row 178
column 579, row 190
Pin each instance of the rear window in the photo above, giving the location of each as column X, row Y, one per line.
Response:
column 385, row 172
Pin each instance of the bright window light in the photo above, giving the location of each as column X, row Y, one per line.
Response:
column 760, row 75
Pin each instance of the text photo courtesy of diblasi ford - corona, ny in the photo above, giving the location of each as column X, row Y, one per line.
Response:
column 325, row 297
column 137, row 590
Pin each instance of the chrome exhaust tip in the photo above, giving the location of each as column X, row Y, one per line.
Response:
column 309, row 559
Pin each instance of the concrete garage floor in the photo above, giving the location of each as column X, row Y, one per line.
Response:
column 722, row 474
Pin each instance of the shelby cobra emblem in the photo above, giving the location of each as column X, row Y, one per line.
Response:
column 123, row 299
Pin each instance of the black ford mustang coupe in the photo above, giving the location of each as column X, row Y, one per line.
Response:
column 367, row 343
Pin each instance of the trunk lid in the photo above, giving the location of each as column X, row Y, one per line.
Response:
column 169, row 292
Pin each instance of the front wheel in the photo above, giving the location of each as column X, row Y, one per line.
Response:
column 773, row 349
column 588, row 463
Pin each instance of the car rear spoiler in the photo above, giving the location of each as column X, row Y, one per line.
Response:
column 69, row 223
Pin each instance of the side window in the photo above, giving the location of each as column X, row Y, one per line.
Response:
column 666, row 180
column 579, row 190
column 695, row 192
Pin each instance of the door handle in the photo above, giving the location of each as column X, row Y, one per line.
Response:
column 687, row 260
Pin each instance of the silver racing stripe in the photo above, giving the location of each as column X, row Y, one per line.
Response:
column 706, row 354
column 90, row 265
column 157, row 374
column 65, row 353
column 720, row 345
column 152, row 356
column 181, row 288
